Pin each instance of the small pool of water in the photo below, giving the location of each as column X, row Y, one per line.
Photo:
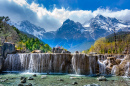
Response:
column 68, row 79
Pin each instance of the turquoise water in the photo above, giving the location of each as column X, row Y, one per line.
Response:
column 68, row 79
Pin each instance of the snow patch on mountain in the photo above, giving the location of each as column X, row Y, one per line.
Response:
column 29, row 28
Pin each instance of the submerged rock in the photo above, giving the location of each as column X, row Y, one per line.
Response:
column 34, row 75
column 20, row 85
column 23, row 80
column 29, row 84
column 60, row 80
column 30, row 78
column 4, row 80
column 92, row 85
column 22, row 77
column 74, row 78
column 101, row 78
column 1, row 85
column 43, row 76
column 74, row 83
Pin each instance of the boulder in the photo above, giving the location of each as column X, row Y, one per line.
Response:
column 29, row 84
column 77, row 52
column 8, row 48
column 60, row 80
column 23, row 80
column 1, row 85
column 118, row 61
column 101, row 78
column 1, row 63
column 74, row 83
column 43, row 76
column 22, row 77
column 37, row 51
column 115, row 70
column 34, row 75
column 74, row 77
column 20, row 84
column 112, row 60
column 30, row 78
column 93, row 53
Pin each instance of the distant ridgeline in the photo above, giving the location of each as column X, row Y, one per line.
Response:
column 23, row 41
column 107, row 44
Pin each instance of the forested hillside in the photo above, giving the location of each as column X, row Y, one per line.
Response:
column 108, row 45
column 23, row 42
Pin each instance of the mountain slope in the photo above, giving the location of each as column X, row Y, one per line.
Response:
column 72, row 34
column 29, row 28
column 101, row 26
column 23, row 41
column 107, row 44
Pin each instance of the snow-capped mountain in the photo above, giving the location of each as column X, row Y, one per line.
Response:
column 70, row 34
column 30, row 28
column 74, row 35
column 101, row 26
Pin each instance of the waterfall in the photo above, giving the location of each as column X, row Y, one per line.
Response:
column 54, row 63
column 115, row 70
column 83, row 64
column 90, row 66
column 93, row 64
column 102, row 66
column 75, row 63
column 34, row 62
column 127, row 72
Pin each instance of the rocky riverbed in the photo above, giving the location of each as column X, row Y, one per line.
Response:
column 14, row 79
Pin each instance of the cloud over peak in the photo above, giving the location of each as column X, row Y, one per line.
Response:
column 19, row 10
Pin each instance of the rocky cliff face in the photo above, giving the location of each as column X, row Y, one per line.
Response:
column 115, row 64
column 8, row 48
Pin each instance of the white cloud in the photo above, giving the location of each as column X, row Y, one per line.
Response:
column 20, row 2
column 52, row 20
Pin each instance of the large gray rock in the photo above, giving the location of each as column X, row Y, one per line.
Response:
column 101, row 78
column 1, row 63
column 8, row 48
column 59, row 50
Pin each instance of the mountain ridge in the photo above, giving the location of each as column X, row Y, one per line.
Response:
column 73, row 33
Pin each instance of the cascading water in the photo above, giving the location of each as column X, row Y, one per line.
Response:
column 127, row 72
column 102, row 67
column 115, row 70
column 93, row 63
column 76, row 63
column 38, row 62
column 60, row 63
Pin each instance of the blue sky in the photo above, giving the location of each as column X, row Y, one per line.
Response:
column 50, row 14
column 84, row 4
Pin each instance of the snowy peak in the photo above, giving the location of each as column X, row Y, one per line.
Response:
column 30, row 25
column 30, row 28
column 70, row 25
column 107, row 23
